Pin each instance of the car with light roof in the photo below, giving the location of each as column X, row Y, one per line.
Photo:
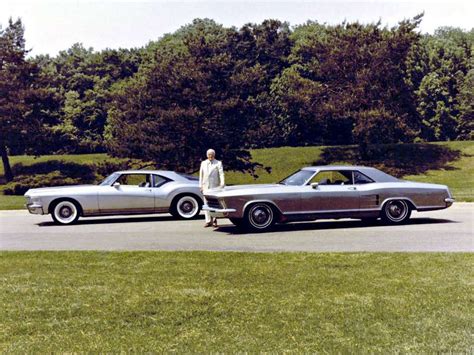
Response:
column 121, row 193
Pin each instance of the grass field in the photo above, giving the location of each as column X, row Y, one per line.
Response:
column 458, row 174
column 236, row 302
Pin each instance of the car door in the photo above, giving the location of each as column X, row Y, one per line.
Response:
column 129, row 193
column 335, row 192
column 161, row 193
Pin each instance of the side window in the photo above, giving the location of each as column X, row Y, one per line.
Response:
column 138, row 180
column 333, row 177
column 360, row 178
column 159, row 181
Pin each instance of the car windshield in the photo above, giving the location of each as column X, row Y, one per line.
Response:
column 109, row 179
column 297, row 179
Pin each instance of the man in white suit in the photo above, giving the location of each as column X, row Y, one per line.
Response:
column 211, row 175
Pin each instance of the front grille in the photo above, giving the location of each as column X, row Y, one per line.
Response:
column 213, row 202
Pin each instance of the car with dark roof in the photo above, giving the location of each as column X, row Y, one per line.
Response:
column 326, row 192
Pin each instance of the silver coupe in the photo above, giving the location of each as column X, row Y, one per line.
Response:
column 123, row 192
column 326, row 192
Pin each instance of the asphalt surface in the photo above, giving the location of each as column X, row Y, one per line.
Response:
column 449, row 230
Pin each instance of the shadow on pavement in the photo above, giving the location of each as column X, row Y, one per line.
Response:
column 322, row 225
column 127, row 219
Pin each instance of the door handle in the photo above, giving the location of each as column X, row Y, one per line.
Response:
column 352, row 188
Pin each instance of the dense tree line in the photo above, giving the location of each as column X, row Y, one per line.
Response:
column 235, row 88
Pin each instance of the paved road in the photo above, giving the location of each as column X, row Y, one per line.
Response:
column 446, row 230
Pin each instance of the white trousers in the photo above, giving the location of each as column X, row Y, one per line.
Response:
column 207, row 214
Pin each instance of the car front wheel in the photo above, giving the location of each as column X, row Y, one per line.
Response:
column 396, row 212
column 65, row 212
column 259, row 217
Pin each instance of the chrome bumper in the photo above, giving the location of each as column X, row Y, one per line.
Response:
column 35, row 208
column 449, row 201
column 218, row 212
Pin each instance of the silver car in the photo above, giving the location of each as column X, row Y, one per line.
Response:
column 123, row 192
column 323, row 192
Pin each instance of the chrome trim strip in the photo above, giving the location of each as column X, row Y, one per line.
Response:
column 218, row 210
column 429, row 207
column 334, row 211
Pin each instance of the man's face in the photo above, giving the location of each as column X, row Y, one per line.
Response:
column 210, row 156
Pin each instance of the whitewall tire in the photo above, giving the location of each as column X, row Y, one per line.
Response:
column 65, row 212
column 186, row 207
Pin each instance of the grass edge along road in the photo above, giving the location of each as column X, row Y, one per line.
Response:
column 459, row 175
column 229, row 302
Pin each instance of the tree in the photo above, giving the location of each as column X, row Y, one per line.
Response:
column 378, row 126
column 437, row 67
column 20, row 119
column 201, row 87
column 338, row 72
column 466, row 107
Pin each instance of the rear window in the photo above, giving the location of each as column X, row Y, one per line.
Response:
column 189, row 177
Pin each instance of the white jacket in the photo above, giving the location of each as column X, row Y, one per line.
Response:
column 211, row 174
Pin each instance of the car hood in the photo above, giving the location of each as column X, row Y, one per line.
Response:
column 238, row 190
column 45, row 191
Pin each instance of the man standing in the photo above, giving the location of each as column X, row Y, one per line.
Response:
column 211, row 175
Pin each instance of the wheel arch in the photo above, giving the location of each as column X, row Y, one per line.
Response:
column 410, row 202
column 176, row 197
column 272, row 204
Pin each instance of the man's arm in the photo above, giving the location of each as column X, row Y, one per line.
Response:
column 201, row 172
column 221, row 174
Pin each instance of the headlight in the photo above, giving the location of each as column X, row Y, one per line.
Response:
column 33, row 199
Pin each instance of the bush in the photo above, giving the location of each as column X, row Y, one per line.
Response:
column 69, row 169
column 106, row 168
column 23, row 183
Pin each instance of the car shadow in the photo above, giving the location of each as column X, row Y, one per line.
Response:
column 128, row 219
column 323, row 225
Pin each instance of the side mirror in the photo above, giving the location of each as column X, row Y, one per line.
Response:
column 116, row 185
column 314, row 185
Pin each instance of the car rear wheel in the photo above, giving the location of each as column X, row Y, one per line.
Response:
column 259, row 217
column 185, row 207
column 65, row 212
column 396, row 212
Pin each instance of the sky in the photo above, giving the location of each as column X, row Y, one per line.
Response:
column 51, row 26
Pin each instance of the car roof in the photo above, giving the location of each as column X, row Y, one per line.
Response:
column 373, row 173
column 166, row 173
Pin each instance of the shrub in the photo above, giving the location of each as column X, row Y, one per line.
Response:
column 23, row 183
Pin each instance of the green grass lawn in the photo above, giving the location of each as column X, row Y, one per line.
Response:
column 236, row 302
column 457, row 174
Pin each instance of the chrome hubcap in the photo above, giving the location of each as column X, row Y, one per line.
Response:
column 188, row 207
column 397, row 210
column 261, row 216
column 65, row 212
